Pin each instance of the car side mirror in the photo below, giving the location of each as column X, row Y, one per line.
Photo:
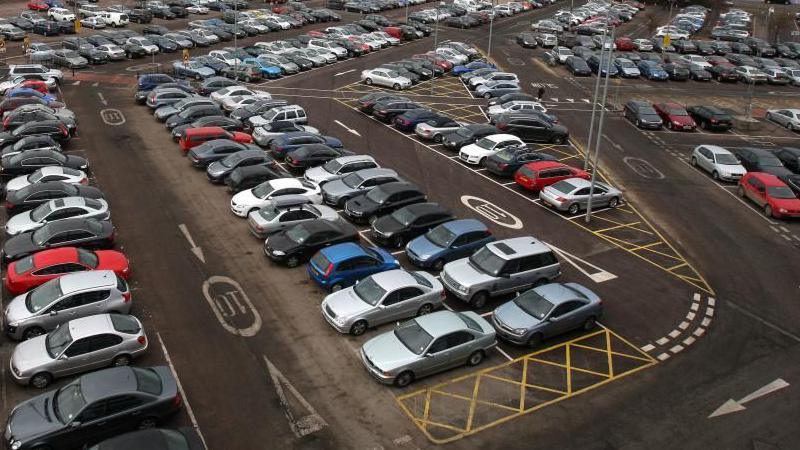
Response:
column 552, row 319
column 429, row 355
column 53, row 312
column 75, row 424
column 63, row 357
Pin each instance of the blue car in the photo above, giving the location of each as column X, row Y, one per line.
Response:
column 287, row 142
column 28, row 92
column 192, row 69
column 469, row 67
column 267, row 69
column 342, row 265
column 447, row 242
column 150, row 81
column 653, row 71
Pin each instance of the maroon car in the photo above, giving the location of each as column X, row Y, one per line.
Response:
column 675, row 116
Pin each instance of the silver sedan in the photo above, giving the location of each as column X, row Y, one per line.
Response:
column 45, row 174
column 55, row 210
column 427, row 345
column 338, row 192
column 275, row 217
column 78, row 346
column 572, row 195
column 789, row 118
column 381, row 298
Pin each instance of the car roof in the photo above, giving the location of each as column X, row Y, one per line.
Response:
column 90, row 279
column 280, row 183
column 793, row 150
column 461, row 226
column 396, row 186
column 767, row 178
column 419, row 209
column 519, row 246
column 541, row 165
column 502, row 137
column 376, row 172
column 557, row 293
column 354, row 158
column 441, row 323
column 90, row 326
column 104, row 383
column 343, row 252
column 716, row 149
column 55, row 255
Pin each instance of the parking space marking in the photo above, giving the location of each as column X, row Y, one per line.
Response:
column 307, row 424
column 489, row 397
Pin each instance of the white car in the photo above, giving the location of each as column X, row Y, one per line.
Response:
column 750, row 74
column 254, row 199
column 391, row 39
column 236, row 91
column 93, row 22
column 213, row 38
column 225, row 57
column 45, row 174
column 260, row 27
column 145, row 43
column 285, row 25
column 516, row 105
column 474, row 82
column 327, row 46
column 57, row 210
column 794, row 76
column 385, row 77
column 487, row 146
column 452, row 55
column 696, row 59
column 673, row 32
column 196, row 9
column 60, row 15
column 238, row 101
column 643, row 45
column 719, row 162
column 561, row 54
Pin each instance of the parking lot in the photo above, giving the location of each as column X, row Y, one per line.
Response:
column 698, row 286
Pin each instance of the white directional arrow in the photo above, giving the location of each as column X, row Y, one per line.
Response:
column 342, row 73
column 310, row 421
column 571, row 100
column 597, row 274
column 349, row 130
column 732, row 406
column 198, row 252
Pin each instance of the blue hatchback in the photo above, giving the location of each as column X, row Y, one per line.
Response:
column 447, row 242
column 342, row 265
column 653, row 71
column 267, row 69
column 469, row 67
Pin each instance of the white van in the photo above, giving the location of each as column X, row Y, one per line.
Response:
column 113, row 19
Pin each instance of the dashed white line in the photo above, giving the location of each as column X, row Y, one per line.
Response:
column 503, row 353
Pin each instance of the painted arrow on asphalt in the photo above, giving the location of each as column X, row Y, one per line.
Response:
column 595, row 273
column 198, row 252
column 732, row 406
column 349, row 130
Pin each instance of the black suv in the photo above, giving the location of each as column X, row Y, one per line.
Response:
column 382, row 200
column 529, row 127
column 386, row 111
column 710, row 117
column 642, row 114
column 760, row 160
column 790, row 157
column 507, row 161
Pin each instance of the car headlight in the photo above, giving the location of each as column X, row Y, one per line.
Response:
column 339, row 320
column 783, row 210
column 519, row 331
column 13, row 324
column 278, row 253
column 15, row 445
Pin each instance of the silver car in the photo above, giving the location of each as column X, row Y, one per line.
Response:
column 338, row 192
column 114, row 52
column 789, row 118
column 547, row 311
column 381, row 298
column 427, row 345
column 63, row 299
column 163, row 97
column 339, row 168
column 286, row 66
column 164, row 112
column 572, row 195
column 45, row 174
column 78, row 346
column 282, row 213
column 719, row 162
column 55, row 210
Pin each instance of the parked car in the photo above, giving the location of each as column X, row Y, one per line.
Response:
column 719, row 162
column 211, row 151
column 771, row 194
column 35, row 194
column 507, row 161
column 285, row 212
column 338, row 168
column 572, row 195
column 29, row 161
column 381, row 200
column 251, row 176
column 790, row 157
column 710, row 117
column 338, row 192
column 86, row 233
column 447, row 242
column 408, row 222
column 385, row 77
column 789, row 118
column 467, row 134
column 535, row 176
column 342, row 265
column 298, row 243
column 247, row 201
column 56, row 210
column 642, row 114
column 184, row 438
column 532, row 126
column 218, row 170
column 760, row 160
column 675, row 116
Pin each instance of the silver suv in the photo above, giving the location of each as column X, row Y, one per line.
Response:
column 66, row 298
column 289, row 113
column 34, row 69
column 501, row 267
column 339, row 168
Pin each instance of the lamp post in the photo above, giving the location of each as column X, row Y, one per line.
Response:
column 594, row 101
column 491, row 26
column 435, row 42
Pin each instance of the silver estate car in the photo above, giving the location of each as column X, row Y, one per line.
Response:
column 339, row 168
column 63, row 299
column 78, row 346
column 572, row 195
column 546, row 311
column 55, row 210
column 381, row 298
column 427, row 345
column 282, row 213
column 719, row 162
column 338, row 192
column 500, row 267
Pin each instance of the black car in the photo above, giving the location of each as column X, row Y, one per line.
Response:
column 415, row 68
column 790, row 157
column 184, row 438
column 642, row 115
column 210, row 121
column 30, row 143
column 256, row 108
column 710, row 117
column 793, row 181
column 215, row 150
column 677, row 72
column 577, row 66
column 382, row 200
column 219, row 170
column 698, row 73
column 506, row 162
column 367, row 102
column 76, row 232
column 298, row 243
column 29, row 161
column 179, row 12
column 141, row 96
column 530, row 127
column 138, row 15
column 162, row 12
column 191, row 114
column 155, row 30
column 47, row 28
column 164, row 45
column 312, row 155
column 96, row 406
column 35, row 194
column 724, row 72
column 387, row 110
column 56, row 129
column 408, row 222
column 527, row 39
column 409, row 119
column 249, row 177
column 684, row 46
column 467, row 134
column 760, row 160
column 19, row 117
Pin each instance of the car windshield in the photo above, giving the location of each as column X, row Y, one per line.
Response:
column 231, row 161
column 413, row 336
column 268, row 212
column 486, row 261
column 404, row 216
column 58, row 340
column 263, row 190
column 41, row 212
column 392, row 74
column 369, row 291
column 677, row 112
column 441, row 236
column 485, row 143
column 465, row 132
column 332, row 166
column 780, row 192
column 298, row 234
column 533, row 304
column 506, row 155
column 625, row 64
column 43, row 295
column 647, row 111
column 353, row 180
column 726, row 159
column 68, row 401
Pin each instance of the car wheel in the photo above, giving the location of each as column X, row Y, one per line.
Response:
column 768, row 211
column 147, row 423
column 558, row 140
column 336, row 287
column 32, row 332
column 368, row 81
column 573, row 209
column 292, row 261
column 396, row 86
column 437, row 138
column 397, row 242
column 613, row 202
column 715, row 175
column 789, row 126
column 41, row 380
column 475, row 358
column 404, row 379
column 694, row 161
column 740, row 191
column 358, row 328
column 121, row 360
column 427, row 308
column 438, row 265
column 669, row 125
column 487, row 95
column 479, row 300
column 535, row 340
column 589, row 324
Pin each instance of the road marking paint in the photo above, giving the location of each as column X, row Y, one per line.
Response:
column 674, row 333
column 710, row 312
column 711, row 301
column 699, row 332
column 662, row 341
column 663, row 357
column 102, row 99
column 648, row 348
column 487, row 314
column 690, row 316
column 342, row 73
column 705, row 322
column 236, row 295
column 676, row 349
column 112, row 117
column 696, row 297
column 307, row 424
column 689, row 341
column 695, row 307
column 683, row 325
column 402, row 440
column 492, row 212
column 599, row 276
column 502, row 352
column 196, row 250
column 398, row 252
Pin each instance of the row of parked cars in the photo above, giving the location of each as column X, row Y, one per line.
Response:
column 70, row 299
column 306, row 197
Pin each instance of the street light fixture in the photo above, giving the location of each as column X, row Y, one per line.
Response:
column 435, row 41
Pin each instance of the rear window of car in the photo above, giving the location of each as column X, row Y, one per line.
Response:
column 122, row 285
column 23, row 265
column 125, row 323
column 147, row 380
column 421, row 280
column 470, row 322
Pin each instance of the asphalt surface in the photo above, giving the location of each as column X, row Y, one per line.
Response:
column 697, row 284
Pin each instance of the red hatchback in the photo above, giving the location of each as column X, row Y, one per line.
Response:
column 196, row 136
column 769, row 193
column 27, row 273
column 535, row 176
column 675, row 116
column 624, row 44
column 38, row 5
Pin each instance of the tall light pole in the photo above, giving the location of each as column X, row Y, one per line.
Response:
column 407, row 3
column 491, row 26
column 235, row 24
column 594, row 102
column 435, row 42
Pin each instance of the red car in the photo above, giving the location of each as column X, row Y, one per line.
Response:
column 769, row 193
column 624, row 44
column 38, row 5
column 37, row 85
column 535, row 176
column 437, row 60
column 196, row 136
column 675, row 116
column 27, row 273
column 317, row 34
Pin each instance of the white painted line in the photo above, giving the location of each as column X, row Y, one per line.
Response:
column 705, row 322
column 402, row 440
column 674, row 333
column 398, row 252
column 710, row 312
column 786, row 237
column 598, row 277
column 699, row 332
column 185, row 399
column 503, row 353
column 310, row 423
column 342, row 73
column 694, row 307
column 711, row 301
column 648, row 348
column 784, row 229
column 683, row 325
column 486, row 314
column 366, row 238
column 689, row 341
column 663, row 357
column 676, row 349
column 102, row 99
column 662, row 341
column 696, row 297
